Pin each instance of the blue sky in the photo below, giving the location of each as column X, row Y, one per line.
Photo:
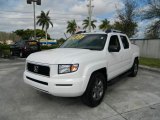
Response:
column 16, row 14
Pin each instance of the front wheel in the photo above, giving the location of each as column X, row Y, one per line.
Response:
column 95, row 91
column 134, row 69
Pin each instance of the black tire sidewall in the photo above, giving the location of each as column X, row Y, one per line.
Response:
column 11, row 52
column 87, row 97
column 21, row 54
column 136, row 62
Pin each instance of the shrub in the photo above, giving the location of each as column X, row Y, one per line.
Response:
column 4, row 47
column 4, row 51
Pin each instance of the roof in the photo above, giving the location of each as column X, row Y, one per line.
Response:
column 106, row 32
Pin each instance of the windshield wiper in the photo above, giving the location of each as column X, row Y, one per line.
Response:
column 91, row 49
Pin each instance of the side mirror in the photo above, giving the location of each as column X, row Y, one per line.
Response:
column 113, row 48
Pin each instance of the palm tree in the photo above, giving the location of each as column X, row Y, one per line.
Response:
column 105, row 25
column 71, row 27
column 86, row 23
column 45, row 21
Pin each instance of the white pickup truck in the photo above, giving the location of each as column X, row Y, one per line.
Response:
column 83, row 65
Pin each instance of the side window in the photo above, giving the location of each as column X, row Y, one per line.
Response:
column 19, row 43
column 114, row 41
column 22, row 43
column 125, row 42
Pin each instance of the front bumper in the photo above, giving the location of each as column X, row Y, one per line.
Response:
column 66, row 87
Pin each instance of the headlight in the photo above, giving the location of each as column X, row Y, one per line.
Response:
column 62, row 69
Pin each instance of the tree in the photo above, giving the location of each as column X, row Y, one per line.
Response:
column 71, row 27
column 61, row 41
column 153, row 12
column 45, row 21
column 86, row 23
column 41, row 34
column 126, row 18
column 24, row 34
column 105, row 25
column 153, row 31
column 29, row 33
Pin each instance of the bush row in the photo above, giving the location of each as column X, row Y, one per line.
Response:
column 4, row 47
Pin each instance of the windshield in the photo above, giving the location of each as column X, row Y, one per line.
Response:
column 86, row 41
column 32, row 43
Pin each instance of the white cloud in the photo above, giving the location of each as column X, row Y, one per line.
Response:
column 60, row 11
column 101, row 7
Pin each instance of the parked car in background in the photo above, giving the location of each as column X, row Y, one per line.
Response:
column 23, row 48
column 0, row 50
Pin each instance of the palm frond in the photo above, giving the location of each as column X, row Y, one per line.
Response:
column 44, row 20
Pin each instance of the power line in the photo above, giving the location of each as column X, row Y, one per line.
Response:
column 58, row 13
column 60, row 17
column 15, row 18
column 67, row 14
column 14, row 11
column 65, row 18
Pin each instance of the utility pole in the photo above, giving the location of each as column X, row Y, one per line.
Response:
column 34, row 11
column 34, row 5
column 90, row 13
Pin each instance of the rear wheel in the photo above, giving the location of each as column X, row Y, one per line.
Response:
column 21, row 54
column 11, row 53
column 134, row 69
column 95, row 91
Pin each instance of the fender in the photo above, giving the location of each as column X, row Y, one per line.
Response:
column 135, row 55
column 91, row 68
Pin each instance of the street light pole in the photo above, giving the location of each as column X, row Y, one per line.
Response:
column 34, row 5
column 90, row 4
column 34, row 20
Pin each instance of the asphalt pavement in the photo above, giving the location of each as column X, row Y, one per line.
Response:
column 126, row 99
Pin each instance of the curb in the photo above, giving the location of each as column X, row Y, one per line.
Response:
column 5, row 60
column 149, row 68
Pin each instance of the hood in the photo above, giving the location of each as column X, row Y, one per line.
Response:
column 57, row 56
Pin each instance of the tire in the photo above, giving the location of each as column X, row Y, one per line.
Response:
column 21, row 54
column 95, row 91
column 134, row 69
column 11, row 53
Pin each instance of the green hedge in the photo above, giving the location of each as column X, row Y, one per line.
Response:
column 4, row 51
column 4, row 47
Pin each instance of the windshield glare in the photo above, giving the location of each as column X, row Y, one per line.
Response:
column 86, row 41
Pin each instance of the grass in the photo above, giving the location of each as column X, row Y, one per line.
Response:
column 151, row 62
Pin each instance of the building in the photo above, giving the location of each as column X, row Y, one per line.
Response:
column 48, row 42
column 8, row 42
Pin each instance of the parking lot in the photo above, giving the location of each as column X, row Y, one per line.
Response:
column 126, row 99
